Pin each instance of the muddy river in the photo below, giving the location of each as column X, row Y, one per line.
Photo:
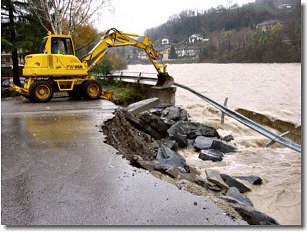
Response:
column 274, row 90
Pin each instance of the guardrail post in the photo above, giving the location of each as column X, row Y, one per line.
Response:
column 270, row 143
column 223, row 114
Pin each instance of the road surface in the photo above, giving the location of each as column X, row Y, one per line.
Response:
column 57, row 170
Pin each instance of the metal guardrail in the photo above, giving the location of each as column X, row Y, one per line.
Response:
column 242, row 119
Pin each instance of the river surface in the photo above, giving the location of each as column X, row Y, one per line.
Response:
column 273, row 90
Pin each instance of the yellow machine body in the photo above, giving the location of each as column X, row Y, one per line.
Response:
column 62, row 62
column 58, row 69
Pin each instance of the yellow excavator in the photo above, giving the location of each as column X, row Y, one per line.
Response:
column 57, row 69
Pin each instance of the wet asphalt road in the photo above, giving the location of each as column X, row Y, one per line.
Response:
column 56, row 170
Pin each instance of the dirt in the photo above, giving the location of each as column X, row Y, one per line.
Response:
column 128, row 140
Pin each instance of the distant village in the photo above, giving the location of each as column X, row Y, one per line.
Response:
column 183, row 51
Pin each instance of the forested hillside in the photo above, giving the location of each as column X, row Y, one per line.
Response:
column 234, row 35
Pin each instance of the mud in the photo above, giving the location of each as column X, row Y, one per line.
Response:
column 128, row 140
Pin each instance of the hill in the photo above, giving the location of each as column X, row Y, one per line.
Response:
column 236, row 34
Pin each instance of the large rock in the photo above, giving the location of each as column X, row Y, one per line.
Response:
column 172, row 144
column 168, row 158
column 174, row 114
column 202, row 142
column 208, row 184
column 234, row 183
column 184, row 116
column 211, row 154
column 251, row 179
column 155, row 122
column 219, row 145
column 253, row 216
column 214, row 177
column 184, row 130
column 171, row 113
column 235, row 193
column 141, row 125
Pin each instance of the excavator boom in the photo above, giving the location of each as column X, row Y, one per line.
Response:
column 115, row 38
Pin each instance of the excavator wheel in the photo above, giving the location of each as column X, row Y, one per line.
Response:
column 91, row 89
column 41, row 91
column 164, row 81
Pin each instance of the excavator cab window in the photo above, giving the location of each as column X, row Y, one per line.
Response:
column 61, row 46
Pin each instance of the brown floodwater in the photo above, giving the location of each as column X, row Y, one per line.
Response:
column 274, row 91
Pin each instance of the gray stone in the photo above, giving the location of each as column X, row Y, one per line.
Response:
column 202, row 142
column 214, row 177
column 183, row 130
column 219, row 145
column 253, row 216
column 168, row 158
column 172, row 144
column 234, row 183
column 252, row 179
column 154, row 122
column 142, row 105
column 140, row 125
column 207, row 184
column 184, row 116
column 211, row 154
column 228, row 138
column 171, row 113
column 235, row 193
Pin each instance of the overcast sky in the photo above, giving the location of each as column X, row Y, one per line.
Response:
column 138, row 15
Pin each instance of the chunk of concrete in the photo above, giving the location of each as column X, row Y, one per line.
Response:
column 143, row 105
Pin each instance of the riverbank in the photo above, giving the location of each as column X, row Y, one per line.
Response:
column 152, row 141
column 273, row 90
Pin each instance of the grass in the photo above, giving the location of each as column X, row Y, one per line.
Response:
column 125, row 93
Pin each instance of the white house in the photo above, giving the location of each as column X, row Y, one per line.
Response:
column 196, row 38
column 165, row 41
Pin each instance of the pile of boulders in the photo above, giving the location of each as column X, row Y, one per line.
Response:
column 170, row 126
column 160, row 132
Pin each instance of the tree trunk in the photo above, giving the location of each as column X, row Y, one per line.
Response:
column 16, row 79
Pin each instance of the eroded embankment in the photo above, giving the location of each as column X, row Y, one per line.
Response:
column 151, row 141
column 280, row 125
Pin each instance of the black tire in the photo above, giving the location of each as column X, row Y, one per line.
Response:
column 76, row 93
column 28, row 97
column 41, row 91
column 91, row 89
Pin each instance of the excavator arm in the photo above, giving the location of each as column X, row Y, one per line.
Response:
column 115, row 38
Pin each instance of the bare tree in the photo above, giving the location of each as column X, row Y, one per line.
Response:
column 57, row 15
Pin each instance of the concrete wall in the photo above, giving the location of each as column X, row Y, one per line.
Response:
column 166, row 96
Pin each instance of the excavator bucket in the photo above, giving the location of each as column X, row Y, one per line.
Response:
column 164, row 81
